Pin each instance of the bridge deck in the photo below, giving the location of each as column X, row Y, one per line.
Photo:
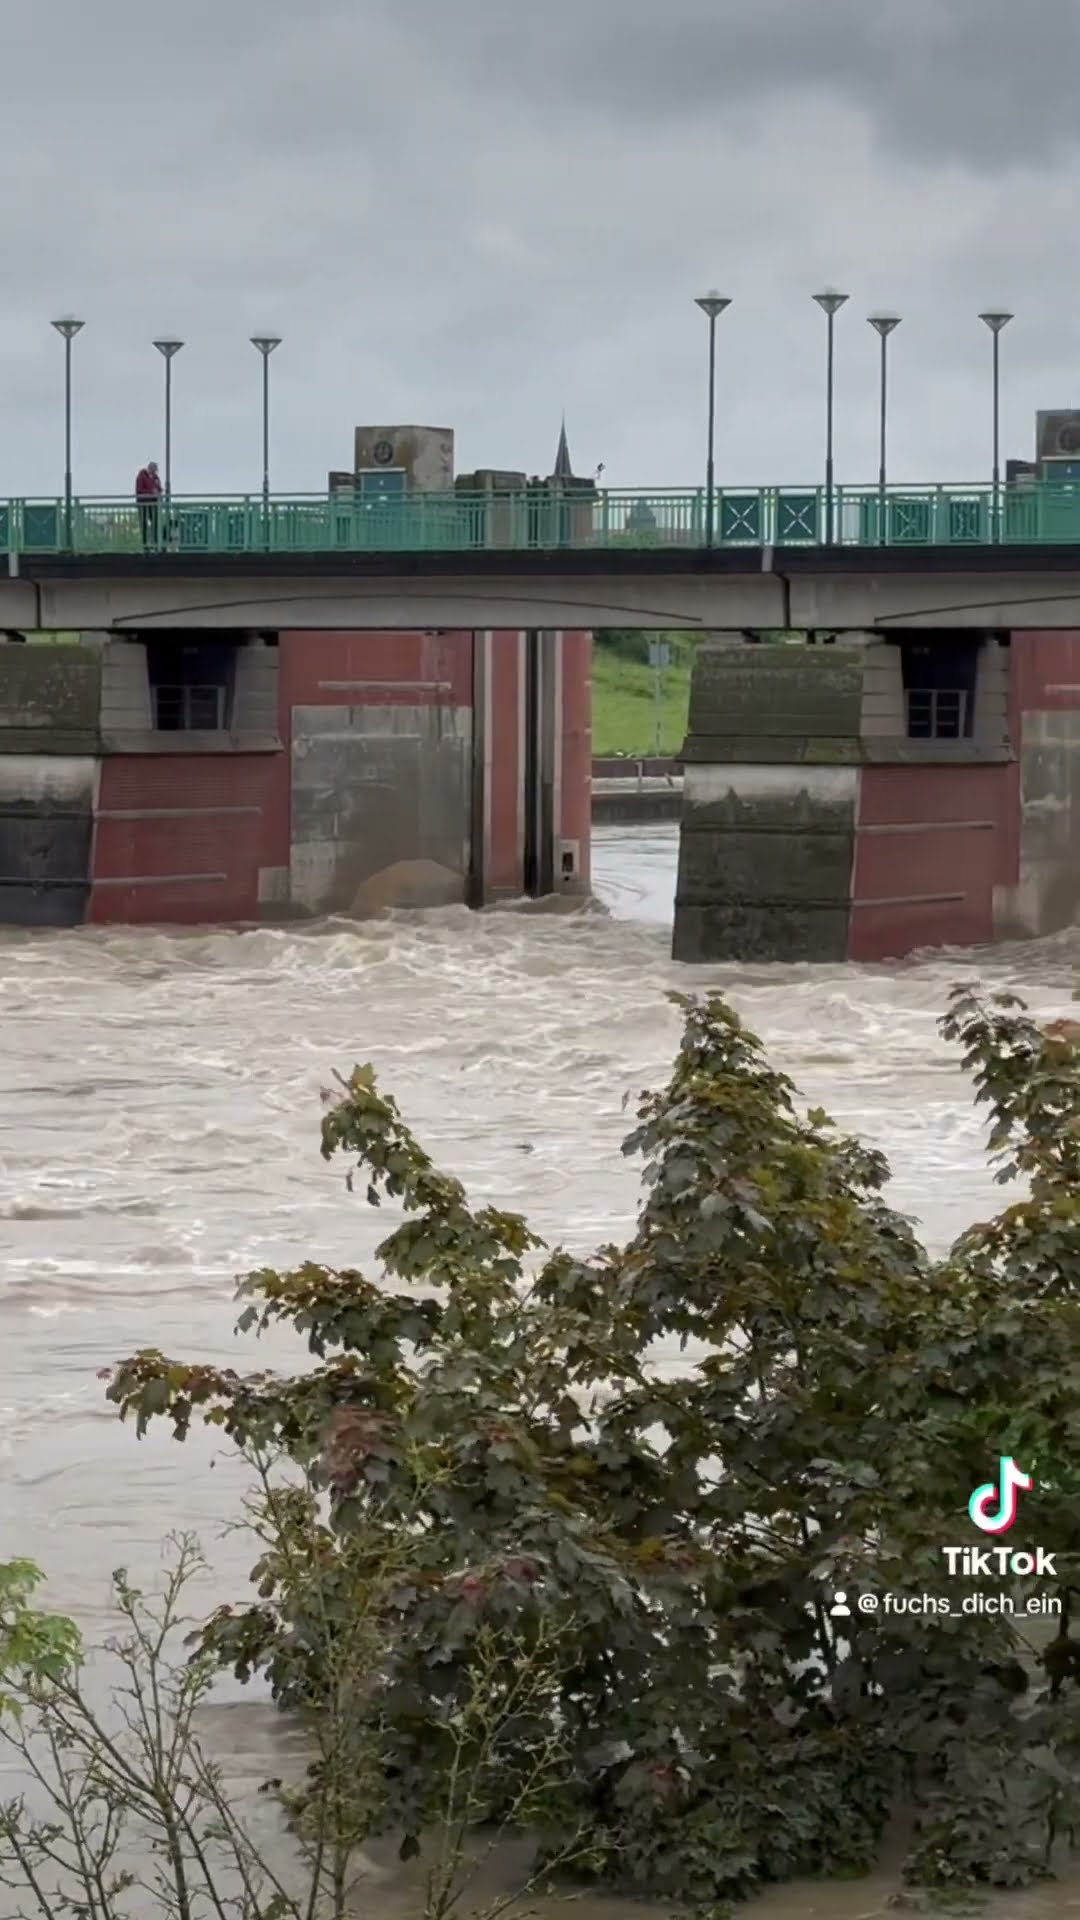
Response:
column 550, row 519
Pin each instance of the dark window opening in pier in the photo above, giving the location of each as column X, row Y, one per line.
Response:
column 939, row 685
column 191, row 684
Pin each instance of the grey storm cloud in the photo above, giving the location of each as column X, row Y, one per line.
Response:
column 980, row 80
column 479, row 212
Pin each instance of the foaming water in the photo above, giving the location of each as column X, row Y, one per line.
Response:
column 159, row 1116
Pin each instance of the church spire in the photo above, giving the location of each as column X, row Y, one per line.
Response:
column 563, row 467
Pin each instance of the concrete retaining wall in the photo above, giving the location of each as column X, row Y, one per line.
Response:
column 359, row 771
column 380, row 806
column 379, row 734
column 634, row 803
column 623, row 767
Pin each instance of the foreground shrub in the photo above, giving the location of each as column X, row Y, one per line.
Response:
column 679, row 1539
column 122, row 1799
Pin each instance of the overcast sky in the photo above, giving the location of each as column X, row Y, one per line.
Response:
column 477, row 213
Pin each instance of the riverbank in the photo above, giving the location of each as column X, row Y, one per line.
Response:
column 625, row 710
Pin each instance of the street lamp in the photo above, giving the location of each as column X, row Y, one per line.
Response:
column 883, row 324
column 997, row 320
column 712, row 305
column 67, row 329
column 830, row 303
column 265, row 344
column 168, row 347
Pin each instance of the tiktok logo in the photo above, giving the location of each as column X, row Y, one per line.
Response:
column 993, row 1507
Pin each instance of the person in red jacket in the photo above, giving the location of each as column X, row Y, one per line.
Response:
column 148, row 500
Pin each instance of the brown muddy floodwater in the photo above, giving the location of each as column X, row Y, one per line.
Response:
column 159, row 1118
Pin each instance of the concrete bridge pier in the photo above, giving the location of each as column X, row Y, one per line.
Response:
column 851, row 802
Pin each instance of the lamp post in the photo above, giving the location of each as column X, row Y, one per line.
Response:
column 883, row 324
column 712, row 305
column 997, row 320
column 830, row 303
column 168, row 347
column 67, row 329
column 265, row 344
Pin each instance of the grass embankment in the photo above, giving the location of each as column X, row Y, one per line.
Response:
column 624, row 701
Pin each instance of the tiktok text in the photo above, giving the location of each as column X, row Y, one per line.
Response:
column 970, row 1562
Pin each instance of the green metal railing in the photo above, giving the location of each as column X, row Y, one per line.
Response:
column 548, row 520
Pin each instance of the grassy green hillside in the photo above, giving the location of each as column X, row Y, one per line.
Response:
column 624, row 706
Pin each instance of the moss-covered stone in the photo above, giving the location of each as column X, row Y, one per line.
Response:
column 771, row 867
column 733, row 930
column 50, row 699
column 790, row 693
